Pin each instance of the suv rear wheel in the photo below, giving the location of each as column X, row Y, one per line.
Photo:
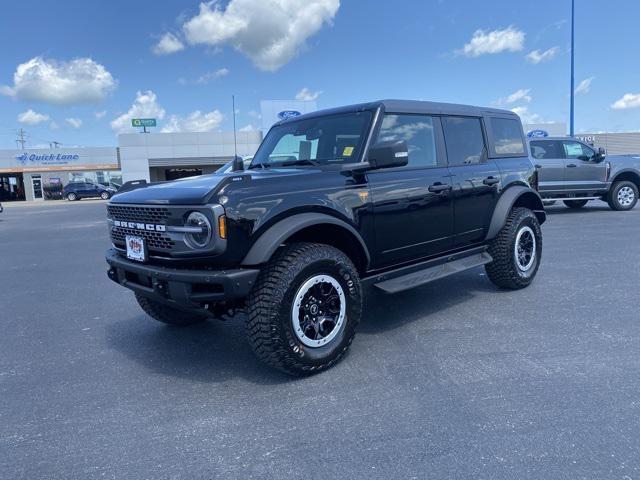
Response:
column 623, row 195
column 303, row 311
column 72, row 196
column 516, row 251
column 166, row 314
column 575, row 203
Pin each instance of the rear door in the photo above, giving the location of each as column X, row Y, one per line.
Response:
column 583, row 171
column 548, row 157
column 474, row 176
column 412, row 205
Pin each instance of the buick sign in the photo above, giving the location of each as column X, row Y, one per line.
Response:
column 537, row 133
column 288, row 114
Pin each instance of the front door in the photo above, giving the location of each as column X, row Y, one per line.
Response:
column 36, row 184
column 475, row 178
column 412, row 205
column 583, row 170
column 548, row 156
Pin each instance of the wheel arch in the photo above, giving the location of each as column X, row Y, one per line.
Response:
column 512, row 197
column 310, row 227
column 628, row 175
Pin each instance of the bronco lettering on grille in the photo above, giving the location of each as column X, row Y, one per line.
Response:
column 140, row 226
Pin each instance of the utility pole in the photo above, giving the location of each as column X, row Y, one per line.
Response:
column 53, row 144
column 571, row 124
column 22, row 138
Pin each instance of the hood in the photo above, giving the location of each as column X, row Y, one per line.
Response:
column 198, row 190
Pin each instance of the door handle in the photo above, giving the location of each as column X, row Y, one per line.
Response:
column 439, row 187
column 491, row 181
column 572, row 165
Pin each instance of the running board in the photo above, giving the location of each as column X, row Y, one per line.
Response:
column 436, row 272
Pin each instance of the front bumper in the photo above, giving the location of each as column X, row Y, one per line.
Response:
column 183, row 289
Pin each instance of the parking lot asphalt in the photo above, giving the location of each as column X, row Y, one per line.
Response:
column 455, row 379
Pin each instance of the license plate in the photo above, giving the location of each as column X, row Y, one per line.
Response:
column 136, row 248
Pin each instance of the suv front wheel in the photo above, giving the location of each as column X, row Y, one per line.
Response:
column 303, row 311
column 623, row 195
column 516, row 251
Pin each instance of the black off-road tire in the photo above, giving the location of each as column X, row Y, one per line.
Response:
column 613, row 200
column 504, row 271
column 575, row 204
column 269, row 324
column 166, row 314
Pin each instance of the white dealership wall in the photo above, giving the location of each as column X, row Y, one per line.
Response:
column 139, row 152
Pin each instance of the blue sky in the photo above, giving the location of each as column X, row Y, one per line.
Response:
column 187, row 60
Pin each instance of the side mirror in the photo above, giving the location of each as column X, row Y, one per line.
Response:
column 389, row 154
column 600, row 154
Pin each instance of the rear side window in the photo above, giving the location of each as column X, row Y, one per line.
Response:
column 417, row 131
column 464, row 140
column 542, row 149
column 507, row 136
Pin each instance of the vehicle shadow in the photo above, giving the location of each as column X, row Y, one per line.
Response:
column 560, row 210
column 210, row 352
column 214, row 351
column 383, row 312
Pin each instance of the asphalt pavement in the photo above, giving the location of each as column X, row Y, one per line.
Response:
column 455, row 379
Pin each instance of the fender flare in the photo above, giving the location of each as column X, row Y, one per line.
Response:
column 506, row 202
column 274, row 236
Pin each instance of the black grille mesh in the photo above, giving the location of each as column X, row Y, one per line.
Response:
column 144, row 214
column 154, row 215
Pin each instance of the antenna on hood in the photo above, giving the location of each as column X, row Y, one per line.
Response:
column 238, row 165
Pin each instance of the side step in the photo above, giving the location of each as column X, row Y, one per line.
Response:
column 436, row 272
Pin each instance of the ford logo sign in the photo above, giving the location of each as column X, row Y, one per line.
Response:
column 288, row 114
column 537, row 133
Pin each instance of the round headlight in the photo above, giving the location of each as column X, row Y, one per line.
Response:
column 198, row 240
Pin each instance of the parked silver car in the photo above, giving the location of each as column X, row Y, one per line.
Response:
column 574, row 172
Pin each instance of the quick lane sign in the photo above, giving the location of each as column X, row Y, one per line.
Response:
column 143, row 122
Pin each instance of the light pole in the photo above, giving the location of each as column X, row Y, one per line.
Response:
column 573, row 5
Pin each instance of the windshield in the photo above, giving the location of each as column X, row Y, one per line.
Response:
column 328, row 140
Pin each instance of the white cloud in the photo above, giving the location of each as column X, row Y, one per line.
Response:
column 584, row 86
column 628, row 100
column 99, row 115
column 145, row 106
column 526, row 116
column 522, row 94
column 209, row 76
column 194, row 122
column 536, row 56
column 254, row 114
column 167, row 45
column 248, row 128
column 271, row 33
column 73, row 122
column 61, row 83
column 306, row 94
column 32, row 118
column 496, row 41
column 54, row 126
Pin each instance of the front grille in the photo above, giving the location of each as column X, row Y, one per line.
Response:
column 141, row 214
column 158, row 241
column 154, row 240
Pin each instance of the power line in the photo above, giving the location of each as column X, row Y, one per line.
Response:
column 22, row 138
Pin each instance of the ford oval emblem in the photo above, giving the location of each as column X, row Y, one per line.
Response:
column 537, row 133
column 288, row 114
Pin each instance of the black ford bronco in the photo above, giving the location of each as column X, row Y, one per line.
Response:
column 392, row 193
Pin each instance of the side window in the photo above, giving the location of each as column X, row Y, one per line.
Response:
column 464, row 140
column 507, row 136
column 542, row 149
column 578, row 151
column 417, row 131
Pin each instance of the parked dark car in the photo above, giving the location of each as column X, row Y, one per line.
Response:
column 77, row 190
column 392, row 194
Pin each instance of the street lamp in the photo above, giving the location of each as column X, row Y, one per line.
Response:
column 573, row 5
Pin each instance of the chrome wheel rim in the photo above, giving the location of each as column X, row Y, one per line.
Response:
column 104, row 195
column 319, row 310
column 525, row 249
column 626, row 196
column 71, row 196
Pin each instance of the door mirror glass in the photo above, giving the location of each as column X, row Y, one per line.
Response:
column 601, row 154
column 389, row 154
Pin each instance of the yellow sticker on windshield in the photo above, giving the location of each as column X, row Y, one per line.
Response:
column 347, row 152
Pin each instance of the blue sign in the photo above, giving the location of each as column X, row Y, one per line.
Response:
column 537, row 133
column 288, row 114
column 47, row 158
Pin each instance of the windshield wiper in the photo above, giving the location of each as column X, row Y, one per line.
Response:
column 299, row 162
